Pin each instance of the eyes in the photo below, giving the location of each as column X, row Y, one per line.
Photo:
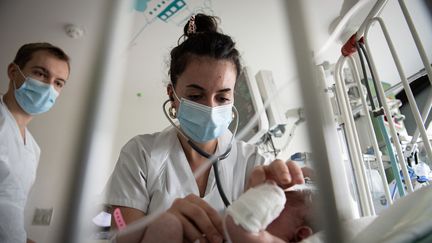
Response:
column 44, row 75
column 59, row 84
column 220, row 99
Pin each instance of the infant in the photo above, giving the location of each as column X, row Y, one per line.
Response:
column 268, row 214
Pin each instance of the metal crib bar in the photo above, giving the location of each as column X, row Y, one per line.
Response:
column 380, row 90
column 371, row 130
column 428, row 69
column 375, row 11
column 353, row 142
column 425, row 113
column 318, row 121
column 411, row 100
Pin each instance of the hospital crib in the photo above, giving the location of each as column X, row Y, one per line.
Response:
column 377, row 111
column 332, row 178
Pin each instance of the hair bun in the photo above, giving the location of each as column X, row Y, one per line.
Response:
column 200, row 23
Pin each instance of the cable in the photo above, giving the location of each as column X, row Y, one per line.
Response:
column 219, row 185
column 214, row 160
column 366, row 82
column 393, row 163
column 371, row 71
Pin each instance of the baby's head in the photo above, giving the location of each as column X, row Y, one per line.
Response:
column 295, row 221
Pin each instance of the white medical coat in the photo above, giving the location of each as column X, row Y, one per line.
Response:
column 18, row 163
column 152, row 171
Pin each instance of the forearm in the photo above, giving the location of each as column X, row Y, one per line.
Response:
column 129, row 216
column 166, row 228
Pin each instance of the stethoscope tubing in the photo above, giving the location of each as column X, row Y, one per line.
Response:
column 212, row 158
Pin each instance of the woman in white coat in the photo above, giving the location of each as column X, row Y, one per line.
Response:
column 155, row 171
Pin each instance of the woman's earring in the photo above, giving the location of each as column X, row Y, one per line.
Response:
column 172, row 112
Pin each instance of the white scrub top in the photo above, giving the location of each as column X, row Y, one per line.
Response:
column 152, row 171
column 18, row 163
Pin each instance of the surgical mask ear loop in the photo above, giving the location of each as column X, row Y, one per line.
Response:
column 22, row 74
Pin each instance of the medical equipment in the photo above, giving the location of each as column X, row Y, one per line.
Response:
column 388, row 125
column 267, row 89
column 211, row 158
column 263, row 121
column 249, row 102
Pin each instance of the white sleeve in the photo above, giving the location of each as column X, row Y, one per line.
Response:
column 127, row 185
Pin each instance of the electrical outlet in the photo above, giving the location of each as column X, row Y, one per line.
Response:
column 42, row 216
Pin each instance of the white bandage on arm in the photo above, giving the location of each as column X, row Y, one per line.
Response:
column 258, row 207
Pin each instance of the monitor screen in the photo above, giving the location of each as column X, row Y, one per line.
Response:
column 248, row 102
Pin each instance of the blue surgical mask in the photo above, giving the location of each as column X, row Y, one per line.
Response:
column 34, row 96
column 202, row 123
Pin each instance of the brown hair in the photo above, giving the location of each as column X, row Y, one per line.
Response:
column 26, row 51
column 203, row 41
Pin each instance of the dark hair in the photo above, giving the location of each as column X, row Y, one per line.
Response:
column 26, row 51
column 205, row 41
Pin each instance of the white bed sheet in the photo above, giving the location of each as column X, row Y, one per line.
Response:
column 409, row 219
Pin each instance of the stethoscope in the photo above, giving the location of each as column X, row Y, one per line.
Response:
column 211, row 157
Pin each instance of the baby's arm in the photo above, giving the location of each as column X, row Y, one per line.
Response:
column 248, row 216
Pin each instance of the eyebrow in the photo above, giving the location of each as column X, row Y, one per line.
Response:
column 195, row 86
column 48, row 72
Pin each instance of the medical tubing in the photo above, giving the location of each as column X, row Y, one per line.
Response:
column 374, row 80
column 392, row 127
column 380, row 120
column 211, row 158
column 219, row 185
column 366, row 81
column 371, row 130
column 214, row 160
column 393, row 160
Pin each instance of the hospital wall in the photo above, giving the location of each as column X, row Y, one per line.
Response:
column 263, row 38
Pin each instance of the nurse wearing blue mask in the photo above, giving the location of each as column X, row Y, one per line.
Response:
column 37, row 76
column 155, row 171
